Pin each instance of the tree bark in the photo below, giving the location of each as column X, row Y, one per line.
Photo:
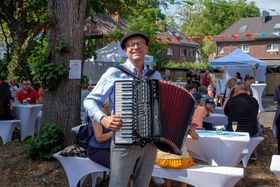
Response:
column 62, row 105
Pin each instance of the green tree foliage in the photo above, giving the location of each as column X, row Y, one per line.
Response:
column 147, row 22
column 124, row 7
column 210, row 18
column 3, row 69
column 23, row 20
column 49, row 142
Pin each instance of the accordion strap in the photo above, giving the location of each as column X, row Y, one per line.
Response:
column 127, row 71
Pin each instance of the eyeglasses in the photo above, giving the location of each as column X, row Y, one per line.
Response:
column 138, row 44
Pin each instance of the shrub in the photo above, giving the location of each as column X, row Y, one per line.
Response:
column 48, row 143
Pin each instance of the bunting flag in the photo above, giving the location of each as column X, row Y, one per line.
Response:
column 197, row 38
column 262, row 35
column 188, row 39
column 234, row 37
column 221, row 37
column 169, row 39
column 159, row 39
column 209, row 37
column 249, row 36
column 178, row 39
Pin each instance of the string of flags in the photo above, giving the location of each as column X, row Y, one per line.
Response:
column 234, row 37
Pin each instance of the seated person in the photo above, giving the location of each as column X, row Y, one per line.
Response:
column 199, row 113
column 28, row 94
column 100, row 140
column 168, row 160
column 191, row 88
column 6, row 102
column 248, row 80
column 243, row 109
column 210, row 105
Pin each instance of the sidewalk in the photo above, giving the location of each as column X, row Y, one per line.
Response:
column 266, row 118
column 268, row 104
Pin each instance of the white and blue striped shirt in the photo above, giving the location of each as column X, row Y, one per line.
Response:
column 105, row 88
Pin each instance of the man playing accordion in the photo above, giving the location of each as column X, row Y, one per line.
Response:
column 133, row 161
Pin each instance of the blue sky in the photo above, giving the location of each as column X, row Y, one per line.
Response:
column 261, row 4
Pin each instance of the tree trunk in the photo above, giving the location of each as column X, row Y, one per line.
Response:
column 62, row 105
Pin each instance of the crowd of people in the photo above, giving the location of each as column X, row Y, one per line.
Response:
column 12, row 93
column 136, row 162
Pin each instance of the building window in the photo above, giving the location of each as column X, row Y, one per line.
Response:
column 272, row 47
column 243, row 28
column 221, row 49
column 182, row 52
column 169, row 51
column 244, row 47
column 187, row 52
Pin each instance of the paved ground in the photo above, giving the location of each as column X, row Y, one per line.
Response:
column 266, row 118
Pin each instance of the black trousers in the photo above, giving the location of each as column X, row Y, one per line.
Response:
column 278, row 132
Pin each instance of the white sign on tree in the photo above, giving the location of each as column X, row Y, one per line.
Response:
column 75, row 69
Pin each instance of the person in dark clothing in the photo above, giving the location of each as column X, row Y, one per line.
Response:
column 238, row 76
column 189, row 75
column 6, row 102
column 196, row 79
column 276, row 121
column 243, row 109
column 100, row 140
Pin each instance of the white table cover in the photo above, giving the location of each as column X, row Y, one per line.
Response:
column 219, row 149
column 257, row 90
column 27, row 114
column 275, row 165
column 216, row 119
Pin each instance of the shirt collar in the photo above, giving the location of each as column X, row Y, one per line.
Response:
column 128, row 64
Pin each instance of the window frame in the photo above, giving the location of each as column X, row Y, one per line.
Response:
column 169, row 51
column 241, row 46
column 272, row 48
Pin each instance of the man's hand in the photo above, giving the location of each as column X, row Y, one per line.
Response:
column 112, row 122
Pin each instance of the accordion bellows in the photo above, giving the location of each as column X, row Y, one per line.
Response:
column 153, row 111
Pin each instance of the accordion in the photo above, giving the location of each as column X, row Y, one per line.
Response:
column 153, row 111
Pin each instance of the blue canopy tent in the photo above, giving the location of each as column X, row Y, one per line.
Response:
column 241, row 62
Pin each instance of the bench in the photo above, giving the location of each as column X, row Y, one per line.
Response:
column 76, row 168
column 7, row 128
column 247, row 152
column 275, row 165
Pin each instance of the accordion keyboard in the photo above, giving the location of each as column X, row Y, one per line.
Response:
column 124, row 106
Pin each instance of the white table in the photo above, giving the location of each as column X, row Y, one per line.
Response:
column 216, row 119
column 275, row 165
column 219, row 149
column 27, row 114
column 257, row 90
column 7, row 128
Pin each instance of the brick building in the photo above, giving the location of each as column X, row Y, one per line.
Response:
column 258, row 36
